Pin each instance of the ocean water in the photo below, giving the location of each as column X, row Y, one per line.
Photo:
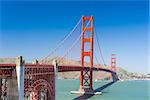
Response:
column 121, row 90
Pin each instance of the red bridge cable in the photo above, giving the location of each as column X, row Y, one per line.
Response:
column 96, row 59
column 63, row 40
column 67, row 51
column 99, row 47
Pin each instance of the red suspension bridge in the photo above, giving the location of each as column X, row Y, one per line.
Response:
column 37, row 80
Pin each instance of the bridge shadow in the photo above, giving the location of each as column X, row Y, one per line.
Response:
column 87, row 96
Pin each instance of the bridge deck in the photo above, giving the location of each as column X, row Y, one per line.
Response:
column 61, row 68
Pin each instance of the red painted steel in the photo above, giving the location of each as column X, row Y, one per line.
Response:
column 33, row 69
column 7, row 65
column 113, row 62
column 33, row 73
column 86, row 75
column 40, row 77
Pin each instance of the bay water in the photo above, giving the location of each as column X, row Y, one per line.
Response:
column 121, row 90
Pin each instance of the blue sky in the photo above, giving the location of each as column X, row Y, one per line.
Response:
column 32, row 28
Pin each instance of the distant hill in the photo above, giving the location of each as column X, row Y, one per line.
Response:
column 122, row 73
column 7, row 60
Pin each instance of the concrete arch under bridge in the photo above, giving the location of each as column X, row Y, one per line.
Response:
column 37, row 78
column 41, row 89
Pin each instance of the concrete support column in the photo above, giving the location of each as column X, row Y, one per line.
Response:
column 55, row 75
column 35, row 61
column 10, row 92
column 12, row 89
column 20, row 76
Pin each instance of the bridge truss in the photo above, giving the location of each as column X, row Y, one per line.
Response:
column 35, row 81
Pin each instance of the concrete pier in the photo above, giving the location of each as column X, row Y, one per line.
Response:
column 20, row 76
column 12, row 89
column 55, row 75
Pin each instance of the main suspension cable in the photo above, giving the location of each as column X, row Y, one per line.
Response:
column 96, row 59
column 60, row 44
column 99, row 47
column 75, row 41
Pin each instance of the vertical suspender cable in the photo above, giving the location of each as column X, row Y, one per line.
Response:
column 100, row 50
column 75, row 41
column 65, row 38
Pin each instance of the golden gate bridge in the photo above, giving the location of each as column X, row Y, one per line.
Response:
column 36, row 79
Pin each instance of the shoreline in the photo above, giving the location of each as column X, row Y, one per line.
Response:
column 107, row 80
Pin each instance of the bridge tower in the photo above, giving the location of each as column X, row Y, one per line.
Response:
column 87, row 38
column 113, row 62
